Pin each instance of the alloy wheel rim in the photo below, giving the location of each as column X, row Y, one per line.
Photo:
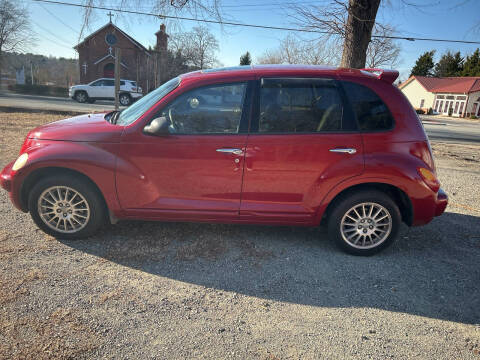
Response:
column 81, row 97
column 63, row 209
column 366, row 225
column 124, row 100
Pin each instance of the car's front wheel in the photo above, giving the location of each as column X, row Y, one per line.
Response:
column 81, row 96
column 125, row 99
column 364, row 223
column 66, row 207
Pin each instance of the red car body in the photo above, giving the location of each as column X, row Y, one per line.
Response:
column 287, row 179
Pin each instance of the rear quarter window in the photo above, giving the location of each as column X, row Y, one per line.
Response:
column 371, row 112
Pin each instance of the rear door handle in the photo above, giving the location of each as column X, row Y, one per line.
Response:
column 344, row 150
column 231, row 151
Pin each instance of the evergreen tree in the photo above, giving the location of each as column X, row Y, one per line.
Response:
column 471, row 67
column 449, row 65
column 245, row 59
column 424, row 65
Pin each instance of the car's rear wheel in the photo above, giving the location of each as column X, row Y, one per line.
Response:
column 125, row 99
column 81, row 96
column 364, row 223
column 66, row 207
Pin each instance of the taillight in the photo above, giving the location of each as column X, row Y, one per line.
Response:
column 134, row 89
column 429, row 178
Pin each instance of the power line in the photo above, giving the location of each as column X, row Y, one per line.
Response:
column 58, row 19
column 133, row 12
column 65, row 43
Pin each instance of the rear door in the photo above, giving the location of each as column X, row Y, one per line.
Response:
column 303, row 141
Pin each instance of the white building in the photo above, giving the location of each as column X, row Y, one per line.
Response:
column 454, row 96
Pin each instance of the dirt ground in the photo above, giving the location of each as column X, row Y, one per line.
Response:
column 179, row 290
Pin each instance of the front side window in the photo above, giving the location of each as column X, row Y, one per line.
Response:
column 138, row 108
column 300, row 106
column 109, row 82
column 213, row 109
column 372, row 113
column 97, row 83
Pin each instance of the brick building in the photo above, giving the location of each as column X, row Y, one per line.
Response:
column 96, row 57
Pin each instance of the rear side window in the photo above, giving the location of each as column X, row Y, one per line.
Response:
column 300, row 106
column 371, row 112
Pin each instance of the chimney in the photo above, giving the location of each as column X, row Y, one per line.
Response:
column 162, row 39
column 161, row 55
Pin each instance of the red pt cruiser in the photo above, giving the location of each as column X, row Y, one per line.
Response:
column 287, row 145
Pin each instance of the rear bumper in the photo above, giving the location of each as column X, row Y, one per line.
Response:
column 441, row 202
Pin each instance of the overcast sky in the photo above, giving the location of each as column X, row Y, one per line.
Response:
column 58, row 27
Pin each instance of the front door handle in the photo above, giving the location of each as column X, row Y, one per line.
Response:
column 231, row 151
column 344, row 150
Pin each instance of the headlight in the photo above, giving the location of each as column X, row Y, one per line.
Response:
column 21, row 161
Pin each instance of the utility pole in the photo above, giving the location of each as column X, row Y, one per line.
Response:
column 118, row 56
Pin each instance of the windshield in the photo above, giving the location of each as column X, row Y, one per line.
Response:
column 137, row 109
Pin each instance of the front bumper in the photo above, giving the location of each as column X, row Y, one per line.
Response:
column 6, row 177
column 9, row 182
column 441, row 202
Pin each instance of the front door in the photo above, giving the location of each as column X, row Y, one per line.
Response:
column 302, row 144
column 196, row 171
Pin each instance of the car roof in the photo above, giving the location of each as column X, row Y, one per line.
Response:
column 226, row 73
column 280, row 70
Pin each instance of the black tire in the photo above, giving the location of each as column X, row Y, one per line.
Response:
column 125, row 99
column 81, row 97
column 346, row 203
column 96, row 205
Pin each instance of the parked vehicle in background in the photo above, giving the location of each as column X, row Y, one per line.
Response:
column 286, row 145
column 104, row 89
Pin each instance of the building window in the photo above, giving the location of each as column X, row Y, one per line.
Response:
column 436, row 105
column 460, row 112
column 422, row 102
column 450, row 97
column 446, row 107
column 440, row 97
column 440, row 107
column 456, row 107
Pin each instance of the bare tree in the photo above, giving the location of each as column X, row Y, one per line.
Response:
column 294, row 50
column 383, row 52
column 198, row 46
column 15, row 32
column 199, row 9
column 349, row 21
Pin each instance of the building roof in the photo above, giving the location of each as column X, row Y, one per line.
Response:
column 462, row 85
column 135, row 42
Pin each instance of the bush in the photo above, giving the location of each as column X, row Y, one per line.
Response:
column 473, row 117
column 39, row 90
column 450, row 112
column 430, row 111
column 419, row 111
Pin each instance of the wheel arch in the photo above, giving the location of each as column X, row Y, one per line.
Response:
column 43, row 172
column 400, row 198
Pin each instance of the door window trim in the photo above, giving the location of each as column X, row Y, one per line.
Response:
column 255, row 117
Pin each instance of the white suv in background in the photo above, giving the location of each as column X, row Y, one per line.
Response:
column 104, row 89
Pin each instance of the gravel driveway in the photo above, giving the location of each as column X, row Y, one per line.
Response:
column 178, row 290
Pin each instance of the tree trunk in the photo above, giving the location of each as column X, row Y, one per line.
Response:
column 358, row 32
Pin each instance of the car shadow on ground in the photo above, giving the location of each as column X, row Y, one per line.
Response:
column 430, row 271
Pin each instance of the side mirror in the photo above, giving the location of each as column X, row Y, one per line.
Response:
column 158, row 126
